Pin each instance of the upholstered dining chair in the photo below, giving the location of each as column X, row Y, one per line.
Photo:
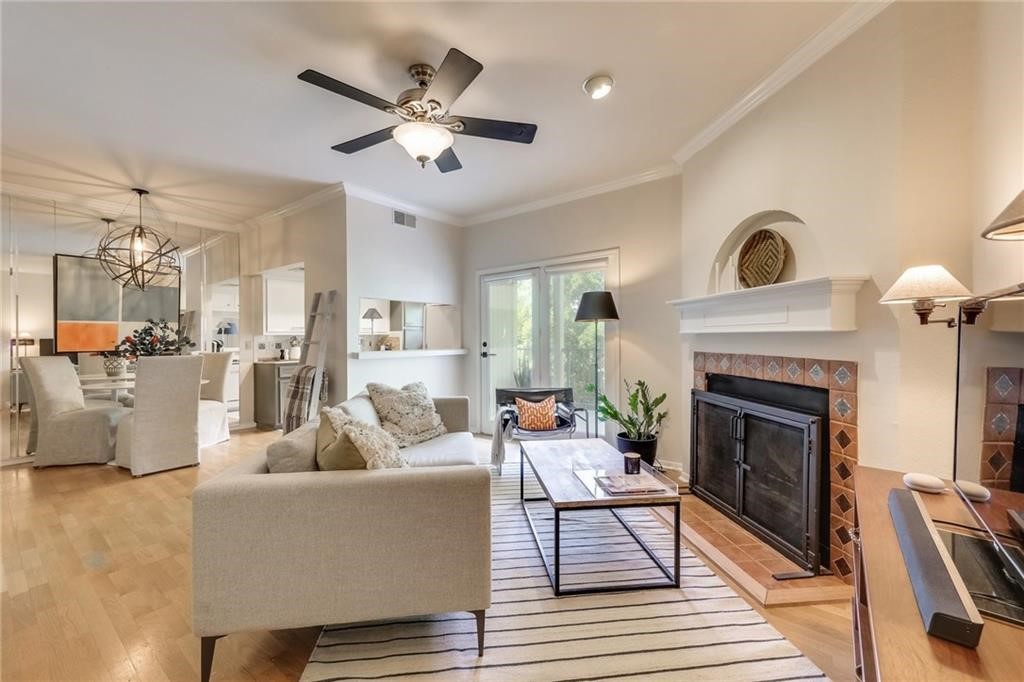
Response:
column 162, row 432
column 213, row 408
column 65, row 428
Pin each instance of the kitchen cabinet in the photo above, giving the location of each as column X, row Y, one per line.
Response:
column 284, row 306
column 271, row 392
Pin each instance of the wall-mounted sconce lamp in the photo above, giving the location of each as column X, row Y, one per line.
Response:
column 927, row 287
column 1008, row 225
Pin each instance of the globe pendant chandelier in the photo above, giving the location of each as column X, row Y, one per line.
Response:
column 138, row 256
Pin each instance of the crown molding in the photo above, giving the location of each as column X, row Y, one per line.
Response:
column 301, row 204
column 799, row 61
column 105, row 207
column 656, row 173
column 375, row 197
column 358, row 192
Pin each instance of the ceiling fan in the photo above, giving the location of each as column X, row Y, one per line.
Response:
column 426, row 133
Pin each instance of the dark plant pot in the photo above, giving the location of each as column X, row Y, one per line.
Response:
column 647, row 449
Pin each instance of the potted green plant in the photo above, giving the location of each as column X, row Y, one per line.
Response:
column 155, row 338
column 640, row 422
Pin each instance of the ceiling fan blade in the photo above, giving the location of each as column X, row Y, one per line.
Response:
column 344, row 89
column 361, row 143
column 497, row 130
column 456, row 72
column 447, row 161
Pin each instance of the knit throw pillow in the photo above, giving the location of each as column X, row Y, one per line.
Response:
column 407, row 413
column 536, row 416
column 346, row 443
column 334, row 449
column 376, row 446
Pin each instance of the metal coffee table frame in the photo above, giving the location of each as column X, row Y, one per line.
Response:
column 553, row 568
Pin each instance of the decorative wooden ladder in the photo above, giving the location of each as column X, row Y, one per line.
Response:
column 322, row 310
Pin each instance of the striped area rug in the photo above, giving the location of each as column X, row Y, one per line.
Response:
column 702, row 631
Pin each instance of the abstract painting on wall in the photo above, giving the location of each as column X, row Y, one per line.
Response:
column 92, row 312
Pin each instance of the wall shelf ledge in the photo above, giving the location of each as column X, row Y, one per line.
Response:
column 399, row 354
column 822, row 304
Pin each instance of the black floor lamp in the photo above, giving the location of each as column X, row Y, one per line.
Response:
column 596, row 306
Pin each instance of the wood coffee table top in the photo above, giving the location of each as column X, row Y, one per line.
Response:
column 552, row 462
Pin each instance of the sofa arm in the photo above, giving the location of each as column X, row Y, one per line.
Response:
column 274, row 551
column 454, row 411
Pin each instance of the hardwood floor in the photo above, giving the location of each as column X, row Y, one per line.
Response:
column 97, row 583
column 97, row 578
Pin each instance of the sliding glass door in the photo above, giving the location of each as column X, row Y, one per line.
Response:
column 529, row 334
column 509, row 349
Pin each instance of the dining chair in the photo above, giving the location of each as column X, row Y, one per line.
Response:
column 66, row 428
column 213, row 408
column 162, row 431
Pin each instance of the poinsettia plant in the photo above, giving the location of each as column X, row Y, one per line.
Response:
column 156, row 338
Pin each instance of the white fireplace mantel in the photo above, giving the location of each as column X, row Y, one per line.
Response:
column 822, row 304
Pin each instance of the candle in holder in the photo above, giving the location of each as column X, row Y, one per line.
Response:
column 632, row 463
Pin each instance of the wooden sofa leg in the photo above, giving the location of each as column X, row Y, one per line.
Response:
column 207, row 645
column 481, row 616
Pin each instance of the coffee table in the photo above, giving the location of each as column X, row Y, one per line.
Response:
column 553, row 463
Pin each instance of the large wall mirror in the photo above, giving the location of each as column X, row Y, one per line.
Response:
column 393, row 325
column 990, row 418
column 57, row 302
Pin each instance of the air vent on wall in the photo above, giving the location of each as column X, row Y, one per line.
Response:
column 404, row 219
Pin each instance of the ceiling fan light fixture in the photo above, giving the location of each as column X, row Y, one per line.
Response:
column 598, row 87
column 423, row 141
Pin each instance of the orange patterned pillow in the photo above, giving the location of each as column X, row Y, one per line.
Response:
column 536, row 416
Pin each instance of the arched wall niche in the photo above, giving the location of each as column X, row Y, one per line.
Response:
column 804, row 257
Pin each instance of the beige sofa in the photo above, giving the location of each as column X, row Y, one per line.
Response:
column 286, row 550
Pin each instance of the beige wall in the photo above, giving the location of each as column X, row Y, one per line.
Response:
column 642, row 222
column 316, row 237
column 392, row 262
column 876, row 148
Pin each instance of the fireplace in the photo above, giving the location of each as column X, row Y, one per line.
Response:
column 1002, row 451
column 757, row 456
column 840, row 447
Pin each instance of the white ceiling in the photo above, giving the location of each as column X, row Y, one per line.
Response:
column 200, row 103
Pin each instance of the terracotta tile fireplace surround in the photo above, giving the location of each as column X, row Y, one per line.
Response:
column 840, row 378
column 1003, row 395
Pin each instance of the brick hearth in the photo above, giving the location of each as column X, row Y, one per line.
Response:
column 840, row 378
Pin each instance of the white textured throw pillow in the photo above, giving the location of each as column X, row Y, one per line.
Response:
column 407, row 413
column 376, row 445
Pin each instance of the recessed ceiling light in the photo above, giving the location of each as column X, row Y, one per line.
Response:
column 598, row 86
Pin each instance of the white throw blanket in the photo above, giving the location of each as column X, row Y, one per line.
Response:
column 501, row 436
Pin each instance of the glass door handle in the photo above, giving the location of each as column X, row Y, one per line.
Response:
column 485, row 354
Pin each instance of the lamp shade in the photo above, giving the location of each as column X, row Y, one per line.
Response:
column 372, row 314
column 926, row 282
column 423, row 141
column 1008, row 225
column 597, row 305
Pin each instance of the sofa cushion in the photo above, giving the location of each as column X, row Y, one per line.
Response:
column 335, row 451
column 407, row 413
column 448, row 450
column 294, row 452
column 361, row 407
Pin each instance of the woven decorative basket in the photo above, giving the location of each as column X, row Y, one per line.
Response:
column 761, row 259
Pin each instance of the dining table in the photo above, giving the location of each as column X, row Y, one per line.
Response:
column 116, row 385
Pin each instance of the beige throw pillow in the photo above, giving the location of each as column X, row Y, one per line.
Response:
column 407, row 413
column 335, row 451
